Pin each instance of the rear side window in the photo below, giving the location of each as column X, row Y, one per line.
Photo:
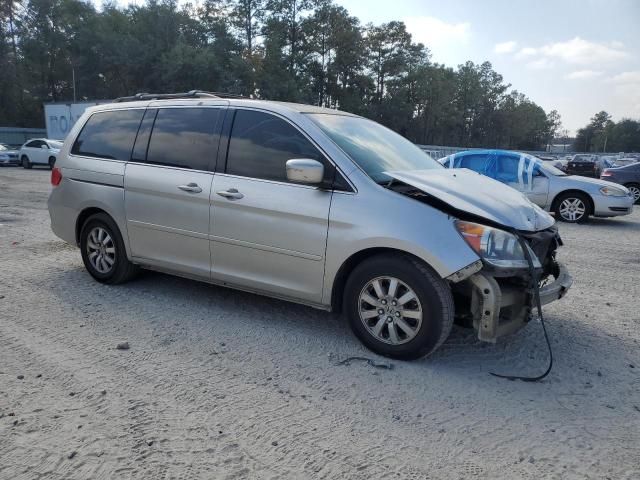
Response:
column 109, row 135
column 261, row 144
column 184, row 137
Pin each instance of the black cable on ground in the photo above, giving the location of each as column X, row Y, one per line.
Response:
column 536, row 289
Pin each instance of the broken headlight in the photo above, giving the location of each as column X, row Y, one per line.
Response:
column 496, row 247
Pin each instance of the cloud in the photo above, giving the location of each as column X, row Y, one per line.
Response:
column 506, row 47
column 578, row 51
column 626, row 88
column 433, row 31
column 626, row 78
column 540, row 64
column 583, row 74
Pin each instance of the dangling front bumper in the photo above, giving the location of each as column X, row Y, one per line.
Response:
column 501, row 306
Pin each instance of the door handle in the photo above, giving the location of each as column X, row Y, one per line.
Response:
column 231, row 194
column 190, row 187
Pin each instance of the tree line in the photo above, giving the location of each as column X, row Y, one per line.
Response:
column 604, row 135
column 309, row 51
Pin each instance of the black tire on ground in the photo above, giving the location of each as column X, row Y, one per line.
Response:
column 26, row 163
column 634, row 187
column 52, row 162
column 581, row 200
column 432, row 292
column 122, row 269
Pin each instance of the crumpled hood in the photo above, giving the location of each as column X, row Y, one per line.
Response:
column 466, row 190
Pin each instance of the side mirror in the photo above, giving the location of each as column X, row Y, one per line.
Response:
column 305, row 170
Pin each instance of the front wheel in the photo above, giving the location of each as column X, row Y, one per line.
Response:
column 572, row 208
column 398, row 306
column 634, row 188
column 26, row 163
column 103, row 251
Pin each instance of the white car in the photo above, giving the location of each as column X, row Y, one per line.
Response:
column 39, row 151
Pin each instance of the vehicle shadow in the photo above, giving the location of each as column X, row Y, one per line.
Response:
column 295, row 333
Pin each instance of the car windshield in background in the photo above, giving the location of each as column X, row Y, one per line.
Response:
column 55, row 144
column 374, row 148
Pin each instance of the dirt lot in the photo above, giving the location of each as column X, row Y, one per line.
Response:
column 222, row 384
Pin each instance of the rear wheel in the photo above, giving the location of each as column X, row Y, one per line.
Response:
column 634, row 188
column 398, row 307
column 572, row 207
column 103, row 251
column 26, row 163
column 52, row 162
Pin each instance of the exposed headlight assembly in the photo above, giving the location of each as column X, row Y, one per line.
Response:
column 613, row 192
column 496, row 247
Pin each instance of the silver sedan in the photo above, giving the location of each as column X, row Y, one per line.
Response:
column 572, row 198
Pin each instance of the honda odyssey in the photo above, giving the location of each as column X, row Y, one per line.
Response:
column 305, row 204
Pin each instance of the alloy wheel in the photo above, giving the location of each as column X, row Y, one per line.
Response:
column 635, row 192
column 572, row 209
column 390, row 310
column 101, row 250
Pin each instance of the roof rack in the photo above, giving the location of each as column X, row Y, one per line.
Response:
column 168, row 96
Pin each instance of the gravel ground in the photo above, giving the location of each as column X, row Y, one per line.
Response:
column 224, row 384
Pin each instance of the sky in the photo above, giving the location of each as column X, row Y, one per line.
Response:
column 574, row 56
column 577, row 57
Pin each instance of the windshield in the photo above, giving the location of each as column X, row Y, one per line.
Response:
column 374, row 148
column 55, row 143
column 548, row 168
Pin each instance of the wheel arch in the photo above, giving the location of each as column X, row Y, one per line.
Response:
column 340, row 280
column 587, row 195
column 84, row 215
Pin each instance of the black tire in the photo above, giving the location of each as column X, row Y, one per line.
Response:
column 122, row 269
column 26, row 163
column 634, row 187
column 581, row 198
column 432, row 292
column 52, row 162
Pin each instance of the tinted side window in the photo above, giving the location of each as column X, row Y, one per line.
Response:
column 34, row 144
column 184, row 137
column 109, row 135
column 261, row 144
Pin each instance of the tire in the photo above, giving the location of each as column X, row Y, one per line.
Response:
column 52, row 162
column 635, row 190
column 572, row 207
column 433, row 303
column 110, row 247
column 26, row 163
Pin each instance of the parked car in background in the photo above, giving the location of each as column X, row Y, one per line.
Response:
column 628, row 175
column 39, row 151
column 8, row 156
column 307, row 204
column 621, row 162
column 571, row 198
column 584, row 165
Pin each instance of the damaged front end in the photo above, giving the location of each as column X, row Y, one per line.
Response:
column 496, row 294
column 499, row 301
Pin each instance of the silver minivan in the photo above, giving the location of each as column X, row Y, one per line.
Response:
column 305, row 204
